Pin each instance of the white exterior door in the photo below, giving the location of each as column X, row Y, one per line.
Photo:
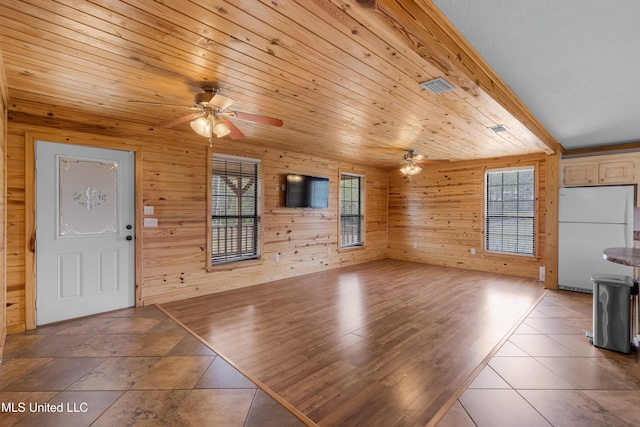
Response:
column 84, row 231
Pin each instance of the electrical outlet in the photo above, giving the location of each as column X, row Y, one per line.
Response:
column 277, row 257
column 328, row 250
column 415, row 246
column 473, row 251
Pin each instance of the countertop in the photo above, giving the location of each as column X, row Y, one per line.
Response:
column 625, row 256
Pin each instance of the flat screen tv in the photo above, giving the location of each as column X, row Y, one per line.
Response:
column 303, row 191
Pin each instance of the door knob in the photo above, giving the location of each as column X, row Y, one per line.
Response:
column 129, row 238
column 128, row 227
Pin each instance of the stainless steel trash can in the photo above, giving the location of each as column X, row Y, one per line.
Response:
column 612, row 311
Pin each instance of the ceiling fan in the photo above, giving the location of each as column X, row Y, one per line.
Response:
column 413, row 161
column 213, row 116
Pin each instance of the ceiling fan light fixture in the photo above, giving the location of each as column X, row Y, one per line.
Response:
column 410, row 169
column 220, row 128
column 202, row 126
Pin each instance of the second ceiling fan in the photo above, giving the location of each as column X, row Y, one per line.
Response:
column 412, row 162
column 213, row 117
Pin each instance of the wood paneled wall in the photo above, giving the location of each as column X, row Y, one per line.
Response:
column 172, row 177
column 3, row 206
column 441, row 211
column 15, row 237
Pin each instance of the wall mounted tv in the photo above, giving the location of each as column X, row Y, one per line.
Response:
column 303, row 191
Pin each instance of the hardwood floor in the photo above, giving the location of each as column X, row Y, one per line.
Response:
column 386, row 343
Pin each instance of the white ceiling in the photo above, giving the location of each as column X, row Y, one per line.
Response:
column 573, row 63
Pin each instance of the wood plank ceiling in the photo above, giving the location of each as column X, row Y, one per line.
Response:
column 343, row 75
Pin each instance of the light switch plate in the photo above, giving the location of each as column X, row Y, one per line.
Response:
column 149, row 210
column 151, row 222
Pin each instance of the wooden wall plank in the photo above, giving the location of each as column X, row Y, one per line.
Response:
column 4, row 99
column 15, row 238
column 552, row 177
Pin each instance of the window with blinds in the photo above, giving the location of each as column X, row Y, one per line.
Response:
column 234, row 210
column 351, row 214
column 510, row 208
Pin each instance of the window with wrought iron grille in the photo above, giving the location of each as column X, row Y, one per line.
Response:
column 235, row 216
column 510, row 211
column 351, row 210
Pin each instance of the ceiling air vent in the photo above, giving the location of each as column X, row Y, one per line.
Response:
column 437, row 86
column 498, row 128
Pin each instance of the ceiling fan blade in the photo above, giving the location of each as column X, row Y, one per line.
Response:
column 235, row 132
column 221, row 102
column 258, row 119
column 181, row 120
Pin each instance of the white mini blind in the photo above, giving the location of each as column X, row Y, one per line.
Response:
column 351, row 215
column 234, row 209
column 510, row 211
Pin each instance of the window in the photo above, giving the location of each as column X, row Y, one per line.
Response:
column 510, row 207
column 351, row 210
column 234, row 209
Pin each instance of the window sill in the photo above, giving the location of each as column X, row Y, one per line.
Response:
column 510, row 254
column 230, row 266
column 352, row 248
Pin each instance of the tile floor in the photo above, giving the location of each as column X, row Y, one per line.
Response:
column 128, row 367
column 548, row 374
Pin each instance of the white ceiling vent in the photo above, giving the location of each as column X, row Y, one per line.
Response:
column 498, row 128
column 437, row 86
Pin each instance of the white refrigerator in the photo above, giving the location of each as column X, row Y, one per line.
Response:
column 592, row 219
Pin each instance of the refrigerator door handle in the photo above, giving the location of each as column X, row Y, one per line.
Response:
column 629, row 209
